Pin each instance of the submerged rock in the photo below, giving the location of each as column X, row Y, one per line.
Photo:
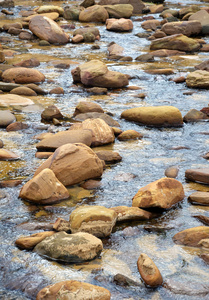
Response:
column 192, row 236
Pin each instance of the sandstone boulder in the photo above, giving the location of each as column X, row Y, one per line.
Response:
column 149, row 271
column 198, row 79
column 50, row 8
column 70, row 248
column 73, row 163
column 7, row 155
column 129, row 135
column 192, row 236
column 23, row 90
column 187, row 28
column 119, row 25
column 68, row 290
column 199, row 198
column 96, row 220
column 118, row 11
column 95, row 13
column 87, row 106
column 44, row 188
column 96, row 73
column 138, row 5
column 22, row 75
column 150, row 24
column 87, row 30
column 11, row 99
column 162, row 193
column 47, row 29
column 176, row 42
column 109, row 156
column 65, row 137
column 6, row 118
column 201, row 16
column 125, row 213
column 200, row 175
column 29, row 242
column 154, row 115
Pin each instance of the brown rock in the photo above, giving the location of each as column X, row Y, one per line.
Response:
column 116, row 131
column 109, row 156
column 78, row 38
column 150, row 24
column 125, row 213
column 16, row 126
column 58, row 91
column 95, row 115
column 199, row 198
column 201, row 175
column 138, row 5
column 44, row 188
column 130, row 135
column 188, row 28
column 95, row 13
column 52, row 16
column 29, row 242
column 194, row 116
column 167, row 52
column 61, row 225
column 115, row 49
column 85, row 106
column 192, row 236
column 198, row 79
column 149, row 271
column 36, row 88
column 22, row 75
column 162, row 193
column 25, row 91
column 119, row 10
column 51, row 112
column 160, row 71
column 6, row 117
column 119, row 25
column 91, row 184
column 28, row 63
column 7, row 155
column 10, row 183
column 25, row 35
column 172, row 172
column 43, row 155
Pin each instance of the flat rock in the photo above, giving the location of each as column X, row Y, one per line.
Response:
column 7, row 87
column 70, row 248
column 199, row 198
column 200, row 175
column 11, row 100
column 29, row 242
column 125, row 213
column 7, row 155
column 50, row 8
column 6, row 118
column 192, row 236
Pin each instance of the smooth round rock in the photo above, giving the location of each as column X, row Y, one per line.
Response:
column 6, row 118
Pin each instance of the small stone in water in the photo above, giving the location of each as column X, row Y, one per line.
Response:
column 172, row 172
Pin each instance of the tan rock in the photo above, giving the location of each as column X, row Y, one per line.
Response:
column 150, row 24
column 125, row 213
column 6, row 117
column 192, row 236
column 109, row 156
column 44, row 188
column 187, row 28
column 160, row 71
column 7, row 155
column 201, row 175
column 50, row 8
column 129, row 135
column 25, row 91
column 149, row 271
column 16, row 126
column 199, row 198
column 198, row 79
column 87, row 106
column 78, row 38
column 96, row 220
column 172, row 172
column 138, row 5
column 204, row 243
column 155, row 9
column 43, row 155
column 203, row 17
column 167, row 52
column 162, row 193
column 71, row 289
column 115, row 49
column 53, row 16
column 95, row 13
column 29, row 242
column 119, row 25
column 73, row 163
column 119, row 10
column 10, row 99
column 61, row 225
column 22, row 75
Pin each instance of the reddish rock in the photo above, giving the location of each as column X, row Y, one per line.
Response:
column 119, row 25
column 95, row 13
column 28, row 63
column 29, row 242
column 16, row 126
column 192, row 236
column 22, row 75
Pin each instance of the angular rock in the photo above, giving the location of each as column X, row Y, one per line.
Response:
column 115, row 49
column 176, row 42
column 29, row 242
column 94, row 115
column 125, row 213
column 162, row 193
column 22, row 75
column 96, row 220
column 44, row 188
column 192, row 236
column 188, row 28
column 129, row 135
column 109, row 156
column 149, row 271
column 47, row 29
column 85, row 106
column 200, row 175
column 65, row 137
column 71, row 289
column 70, row 248
column 201, row 16
column 6, row 117
column 199, row 198
column 95, row 13
column 73, row 163
column 23, row 90
column 198, row 79
column 118, row 11
column 195, row 115
column 154, row 115
column 7, row 155
column 119, row 25
column 61, row 225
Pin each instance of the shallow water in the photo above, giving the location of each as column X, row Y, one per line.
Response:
column 24, row 273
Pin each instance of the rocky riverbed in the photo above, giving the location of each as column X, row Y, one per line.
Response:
column 103, row 150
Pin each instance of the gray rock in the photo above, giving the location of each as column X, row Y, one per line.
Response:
column 6, row 118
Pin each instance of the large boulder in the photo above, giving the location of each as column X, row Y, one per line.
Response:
column 154, row 115
column 200, row 175
column 192, row 236
column 96, row 73
column 6, row 118
column 118, row 11
column 65, row 137
column 198, row 79
column 119, row 25
column 29, row 242
column 201, row 16
column 73, row 163
column 102, row 133
column 96, row 220
column 22, row 75
column 70, row 248
column 95, row 13
column 176, row 42
column 162, row 193
column 44, row 188
column 187, row 28
column 70, row 289
column 47, row 29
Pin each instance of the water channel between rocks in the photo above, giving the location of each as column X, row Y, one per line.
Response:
column 147, row 159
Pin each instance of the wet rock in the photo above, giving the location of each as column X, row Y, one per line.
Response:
column 70, row 248
column 25, row 91
column 150, row 24
column 118, row 11
column 202, row 66
column 28, row 63
column 16, row 126
column 205, row 257
column 36, row 88
column 126, row 177
column 91, row 184
column 73, row 163
column 50, row 8
column 7, row 3
column 1, row 144
column 123, row 280
column 6, row 118
column 162, row 193
column 109, row 156
column 198, row 79
column 7, row 26
column 201, row 16
column 192, row 236
column 71, row 288
column 14, row 31
column 158, row 34
column 44, row 188
column 188, row 28
column 7, row 155
column 35, row 226
column 129, row 135
column 138, row 5
column 85, row 106
column 65, row 137
column 2, row 57
column 51, row 112
column 96, row 73
column 72, row 12
column 172, row 172
column 51, row 16
column 179, row 79
column 87, row 3
column 204, row 243
column 125, row 214
column 86, row 31
column 10, row 183
column 22, row 75
column 47, row 29
column 176, row 42
column 97, row 91
column 101, row 132
column 119, row 25
column 188, row 9
column 195, row 115
column 199, row 198
column 149, row 271
column 61, row 225
column 43, row 135
column 145, row 57
column 155, row 9
column 78, row 38
column 115, row 49
column 44, row 43
column 25, row 35
column 160, row 71
column 95, row 13
column 43, row 155
column 200, row 175
column 94, row 115
column 154, row 115
column 57, row 91
column 96, row 220
column 29, row 242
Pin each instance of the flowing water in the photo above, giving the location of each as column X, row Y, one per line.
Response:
column 23, row 273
